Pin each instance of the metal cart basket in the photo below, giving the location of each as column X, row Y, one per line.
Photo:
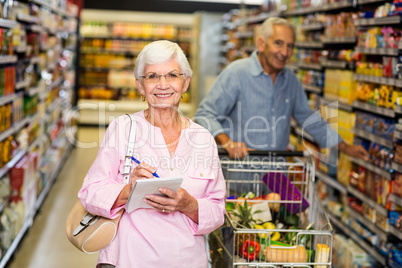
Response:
column 274, row 217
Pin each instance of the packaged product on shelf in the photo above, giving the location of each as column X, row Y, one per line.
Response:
column 344, row 169
column 381, row 221
column 23, row 182
column 395, row 255
column 397, row 182
column 12, row 219
column 395, row 219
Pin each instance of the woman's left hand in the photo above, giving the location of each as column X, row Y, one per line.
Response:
column 180, row 201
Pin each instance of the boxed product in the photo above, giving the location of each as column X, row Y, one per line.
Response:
column 395, row 218
column 23, row 181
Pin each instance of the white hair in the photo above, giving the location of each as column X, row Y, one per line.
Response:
column 267, row 27
column 159, row 52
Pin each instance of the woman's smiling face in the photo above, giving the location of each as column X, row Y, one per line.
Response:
column 163, row 93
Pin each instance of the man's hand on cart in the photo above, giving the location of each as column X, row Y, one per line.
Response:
column 236, row 150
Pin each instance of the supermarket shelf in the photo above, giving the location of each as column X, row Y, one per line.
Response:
column 17, row 157
column 35, row 28
column 365, row 2
column 261, row 17
column 301, row 11
column 15, row 243
column 34, row 59
column 336, row 5
column 52, row 178
column 312, row 88
column 378, row 21
column 309, row 44
column 372, row 168
column 8, row 59
column 29, row 219
column 20, row 49
column 14, row 128
column 374, row 109
column 342, row 106
column 374, row 138
column 365, row 199
column 373, row 227
column 8, row 23
column 27, row 18
column 35, row 90
column 339, row 40
column 324, row 7
column 106, row 69
column 398, row 109
column 312, row 66
column 355, row 237
column 395, row 232
column 377, row 51
column 53, row 8
column 336, row 64
column 246, row 34
column 249, row 49
column 109, row 51
column 331, row 181
column 396, row 199
column 22, row 84
column 102, row 112
column 397, row 167
column 129, row 38
column 312, row 26
column 378, row 80
column 7, row 99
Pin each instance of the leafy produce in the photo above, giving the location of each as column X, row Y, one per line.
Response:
column 243, row 212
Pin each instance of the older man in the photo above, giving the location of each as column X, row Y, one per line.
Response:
column 253, row 99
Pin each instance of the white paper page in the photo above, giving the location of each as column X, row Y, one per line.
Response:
column 150, row 186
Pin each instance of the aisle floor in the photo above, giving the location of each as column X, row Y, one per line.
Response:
column 45, row 244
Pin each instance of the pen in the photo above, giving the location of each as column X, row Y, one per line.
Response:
column 138, row 162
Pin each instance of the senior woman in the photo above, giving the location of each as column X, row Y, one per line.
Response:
column 171, row 233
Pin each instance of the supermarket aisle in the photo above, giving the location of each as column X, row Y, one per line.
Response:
column 46, row 245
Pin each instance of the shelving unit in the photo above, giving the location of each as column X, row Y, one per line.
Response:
column 123, row 97
column 234, row 49
column 50, row 81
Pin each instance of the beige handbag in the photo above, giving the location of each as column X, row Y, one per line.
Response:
column 91, row 233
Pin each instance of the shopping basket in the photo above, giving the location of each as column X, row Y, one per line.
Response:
column 274, row 217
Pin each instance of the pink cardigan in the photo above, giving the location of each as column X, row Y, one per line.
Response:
column 147, row 237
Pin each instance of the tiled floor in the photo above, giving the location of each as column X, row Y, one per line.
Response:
column 45, row 245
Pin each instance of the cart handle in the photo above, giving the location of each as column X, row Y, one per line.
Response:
column 223, row 152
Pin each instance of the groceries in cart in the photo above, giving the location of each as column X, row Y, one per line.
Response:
column 275, row 217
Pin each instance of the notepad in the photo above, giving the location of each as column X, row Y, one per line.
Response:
column 143, row 187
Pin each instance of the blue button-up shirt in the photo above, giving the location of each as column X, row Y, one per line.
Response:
column 248, row 107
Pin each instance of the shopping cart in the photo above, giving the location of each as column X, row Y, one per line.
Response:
column 274, row 217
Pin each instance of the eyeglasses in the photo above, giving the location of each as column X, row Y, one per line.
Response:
column 155, row 78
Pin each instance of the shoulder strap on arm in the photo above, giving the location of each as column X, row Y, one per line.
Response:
column 130, row 150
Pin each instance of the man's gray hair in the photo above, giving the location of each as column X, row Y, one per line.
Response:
column 160, row 52
column 267, row 27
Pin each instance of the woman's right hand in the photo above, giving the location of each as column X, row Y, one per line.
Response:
column 141, row 171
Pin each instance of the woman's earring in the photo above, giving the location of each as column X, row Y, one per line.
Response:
column 142, row 98
column 185, row 95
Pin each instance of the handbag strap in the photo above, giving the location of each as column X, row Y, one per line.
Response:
column 130, row 150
